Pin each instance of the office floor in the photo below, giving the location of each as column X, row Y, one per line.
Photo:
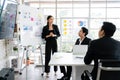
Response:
column 34, row 73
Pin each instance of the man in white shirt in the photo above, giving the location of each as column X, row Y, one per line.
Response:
column 83, row 40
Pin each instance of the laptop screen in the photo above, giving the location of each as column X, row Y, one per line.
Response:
column 80, row 50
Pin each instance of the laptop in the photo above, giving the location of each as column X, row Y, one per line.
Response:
column 80, row 50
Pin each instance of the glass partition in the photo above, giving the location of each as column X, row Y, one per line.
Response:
column 91, row 12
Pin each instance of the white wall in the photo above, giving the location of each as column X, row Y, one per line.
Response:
column 2, row 54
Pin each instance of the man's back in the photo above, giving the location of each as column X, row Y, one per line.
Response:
column 103, row 48
column 106, row 48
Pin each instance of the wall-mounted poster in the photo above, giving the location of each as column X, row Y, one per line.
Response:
column 71, row 27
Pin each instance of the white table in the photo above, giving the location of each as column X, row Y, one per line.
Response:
column 68, row 59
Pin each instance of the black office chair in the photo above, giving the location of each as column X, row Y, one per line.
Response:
column 107, row 70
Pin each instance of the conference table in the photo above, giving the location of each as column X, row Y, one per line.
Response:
column 68, row 59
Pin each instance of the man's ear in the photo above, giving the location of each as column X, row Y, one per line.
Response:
column 103, row 32
column 84, row 34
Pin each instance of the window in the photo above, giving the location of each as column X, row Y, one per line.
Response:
column 71, row 15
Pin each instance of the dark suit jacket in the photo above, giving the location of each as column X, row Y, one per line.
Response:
column 45, row 31
column 86, row 41
column 103, row 48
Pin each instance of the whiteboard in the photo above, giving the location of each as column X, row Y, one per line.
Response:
column 30, row 21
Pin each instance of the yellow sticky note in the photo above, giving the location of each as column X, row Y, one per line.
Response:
column 65, row 29
column 65, row 33
column 65, row 21
column 65, row 25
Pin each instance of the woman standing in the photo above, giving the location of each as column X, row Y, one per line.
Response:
column 50, row 33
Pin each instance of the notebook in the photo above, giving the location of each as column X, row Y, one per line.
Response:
column 80, row 50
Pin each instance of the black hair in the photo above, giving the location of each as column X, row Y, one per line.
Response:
column 85, row 30
column 109, row 28
column 49, row 16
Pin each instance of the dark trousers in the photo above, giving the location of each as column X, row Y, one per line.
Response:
column 67, row 72
column 51, row 47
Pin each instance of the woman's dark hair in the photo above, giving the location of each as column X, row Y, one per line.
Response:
column 49, row 18
column 85, row 30
column 109, row 28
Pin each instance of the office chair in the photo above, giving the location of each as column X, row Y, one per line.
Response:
column 107, row 70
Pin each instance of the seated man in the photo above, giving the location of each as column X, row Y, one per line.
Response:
column 83, row 40
column 103, row 48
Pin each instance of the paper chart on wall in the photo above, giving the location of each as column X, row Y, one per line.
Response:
column 71, row 27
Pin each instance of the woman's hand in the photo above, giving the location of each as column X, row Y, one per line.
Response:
column 51, row 35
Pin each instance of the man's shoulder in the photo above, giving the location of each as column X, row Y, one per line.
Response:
column 95, row 41
column 88, row 38
column 104, row 40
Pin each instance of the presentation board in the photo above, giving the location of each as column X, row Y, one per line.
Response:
column 31, row 21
